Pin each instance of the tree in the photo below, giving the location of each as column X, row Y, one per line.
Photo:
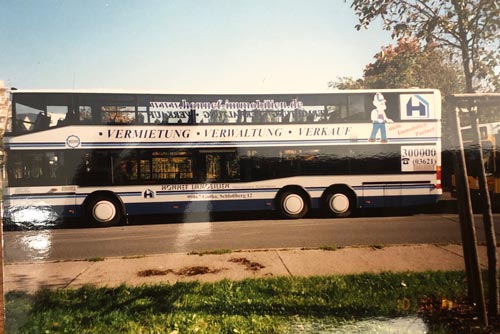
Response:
column 347, row 83
column 468, row 28
column 408, row 64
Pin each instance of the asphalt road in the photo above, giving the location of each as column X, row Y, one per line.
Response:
column 149, row 237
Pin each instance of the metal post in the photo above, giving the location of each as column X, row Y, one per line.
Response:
column 468, row 229
column 489, row 226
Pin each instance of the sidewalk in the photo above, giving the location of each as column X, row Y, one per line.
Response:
column 238, row 265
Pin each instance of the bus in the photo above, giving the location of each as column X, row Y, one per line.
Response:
column 489, row 134
column 106, row 156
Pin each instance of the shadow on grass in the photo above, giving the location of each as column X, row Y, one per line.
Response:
column 340, row 297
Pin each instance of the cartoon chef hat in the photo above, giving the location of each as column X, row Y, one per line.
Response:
column 379, row 98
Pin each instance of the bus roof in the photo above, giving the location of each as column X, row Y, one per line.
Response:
column 475, row 99
column 150, row 92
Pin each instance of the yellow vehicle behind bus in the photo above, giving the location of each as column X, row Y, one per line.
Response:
column 490, row 140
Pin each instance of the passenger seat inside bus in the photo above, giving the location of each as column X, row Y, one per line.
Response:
column 42, row 122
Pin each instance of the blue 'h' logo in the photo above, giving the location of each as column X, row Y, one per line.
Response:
column 149, row 194
column 419, row 110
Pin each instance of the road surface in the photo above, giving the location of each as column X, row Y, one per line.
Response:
column 199, row 235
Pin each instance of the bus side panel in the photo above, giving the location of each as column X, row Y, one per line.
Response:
column 397, row 195
column 201, row 206
column 39, row 208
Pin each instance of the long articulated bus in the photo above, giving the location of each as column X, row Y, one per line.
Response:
column 106, row 156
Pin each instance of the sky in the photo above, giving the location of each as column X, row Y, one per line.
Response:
column 192, row 46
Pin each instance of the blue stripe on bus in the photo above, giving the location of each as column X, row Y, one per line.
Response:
column 394, row 186
column 382, row 186
column 38, row 196
column 65, row 195
column 131, row 193
column 37, row 144
column 217, row 191
column 260, row 143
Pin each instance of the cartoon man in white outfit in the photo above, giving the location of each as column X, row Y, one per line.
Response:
column 379, row 118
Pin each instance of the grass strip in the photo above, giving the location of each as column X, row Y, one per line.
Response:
column 249, row 306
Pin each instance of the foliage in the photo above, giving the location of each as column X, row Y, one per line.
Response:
column 249, row 306
column 409, row 65
column 468, row 28
column 347, row 83
column 406, row 65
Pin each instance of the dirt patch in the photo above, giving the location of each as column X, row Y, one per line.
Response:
column 153, row 272
column 250, row 265
column 187, row 271
column 200, row 270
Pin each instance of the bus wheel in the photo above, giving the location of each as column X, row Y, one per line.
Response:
column 339, row 203
column 292, row 205
column 103, row 211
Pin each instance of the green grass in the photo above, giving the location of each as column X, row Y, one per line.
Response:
column 249, row 306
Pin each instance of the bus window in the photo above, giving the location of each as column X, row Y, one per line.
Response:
column 118, row 115
column 232, row 166
column 483, row 132
column 337, row 111
column 25, row 117
column 95, row 169
column 145, row 169
column 356, row 108
column 496, row 156
column 125, row 169
column 142, row 115
column 57, row 115
column 213, row 167
column 467, row 134
column 175, row 166
column 488, row 157
column 221, row 165
column 218, row 116
column 85, row 116
column 37, row 168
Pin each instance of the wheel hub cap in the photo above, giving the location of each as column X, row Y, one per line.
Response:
column 104, row 211
column 339, row 203
column 293, row 204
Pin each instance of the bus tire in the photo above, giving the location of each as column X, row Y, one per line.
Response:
column 339, row 203
column 103, row 210
column 292, row 204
